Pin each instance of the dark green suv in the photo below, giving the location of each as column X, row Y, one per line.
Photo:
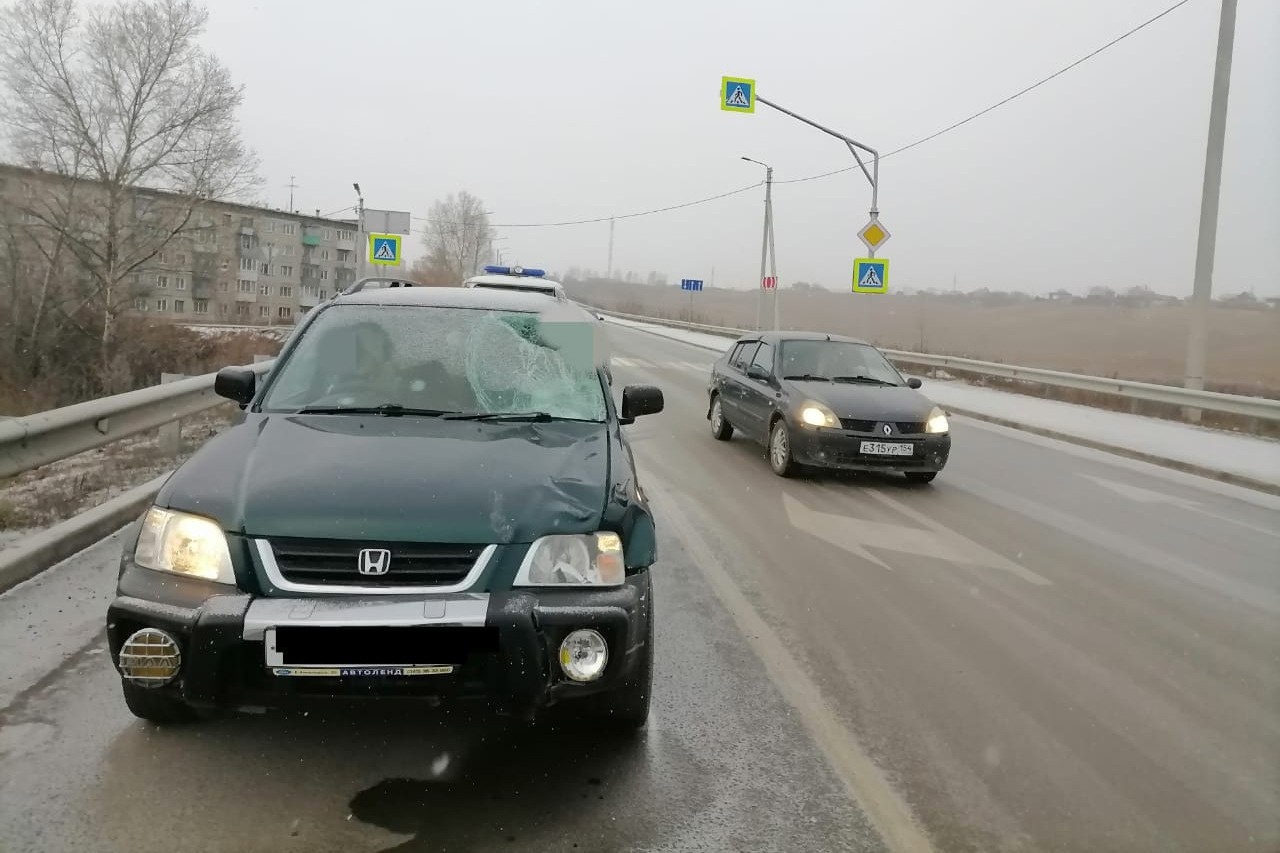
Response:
column 430, row 495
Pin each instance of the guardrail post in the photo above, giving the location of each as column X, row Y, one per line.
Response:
column 171, row 433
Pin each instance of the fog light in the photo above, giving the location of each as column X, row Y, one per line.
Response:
column 583, row 655
column 150, row 658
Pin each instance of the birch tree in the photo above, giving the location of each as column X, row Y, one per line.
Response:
column 138, row 123
column 458, row 236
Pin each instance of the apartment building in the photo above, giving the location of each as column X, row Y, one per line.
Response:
column 230, row 263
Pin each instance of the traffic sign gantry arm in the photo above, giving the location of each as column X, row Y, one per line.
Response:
column 733, row 90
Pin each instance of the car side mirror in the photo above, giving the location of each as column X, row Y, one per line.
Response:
column 913, row 382
column 640, row 400
column 236, row 383
column 755, row 371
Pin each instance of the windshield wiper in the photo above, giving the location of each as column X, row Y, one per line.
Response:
column 531, row 417
column 808, row 377
column 390, row 410
column 871, row 380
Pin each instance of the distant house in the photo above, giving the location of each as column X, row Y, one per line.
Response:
column 1061, row 295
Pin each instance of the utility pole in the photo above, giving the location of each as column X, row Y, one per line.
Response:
column 773, row 253
column 609, row 273
column 361, row 240
column 766, row 243
column 1206, row 244
column 292, row 186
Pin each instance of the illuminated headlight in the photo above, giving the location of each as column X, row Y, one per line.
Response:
column 570, row 560
column 184, row 545
column 817, row 414
column 937, row 422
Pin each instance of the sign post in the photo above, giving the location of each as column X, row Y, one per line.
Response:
column 739, row 94
column 693, row 285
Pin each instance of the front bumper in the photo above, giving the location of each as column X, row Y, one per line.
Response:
column 837, row 448
column 502, row 647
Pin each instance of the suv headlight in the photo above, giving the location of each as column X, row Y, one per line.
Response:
column 572, row 560
column 937, row 422
column 183, row 544
column 817, row 414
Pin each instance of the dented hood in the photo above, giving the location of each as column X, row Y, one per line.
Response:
column 397, row 478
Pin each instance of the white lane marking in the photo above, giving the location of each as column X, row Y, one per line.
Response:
column 639, row 363
column 644, row 364
column 866, row 784
column 856, row 535
column 1148, row 496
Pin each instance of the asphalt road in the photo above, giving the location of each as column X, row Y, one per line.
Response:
column 1049, row 648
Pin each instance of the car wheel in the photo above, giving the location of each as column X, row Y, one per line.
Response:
column 626, row 707
column 921, row 476
column 721, row 430
column 780, row 459
column 155, row 706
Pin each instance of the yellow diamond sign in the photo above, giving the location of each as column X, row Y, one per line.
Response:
column 873, row 235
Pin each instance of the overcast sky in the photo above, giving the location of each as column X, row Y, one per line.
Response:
column 567, row 110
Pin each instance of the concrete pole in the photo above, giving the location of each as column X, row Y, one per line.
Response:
column 1206, row 244
column 764, row 245
column 609, row 273
column 773, row 261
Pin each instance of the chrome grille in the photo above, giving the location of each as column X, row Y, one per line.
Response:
column 335, row 561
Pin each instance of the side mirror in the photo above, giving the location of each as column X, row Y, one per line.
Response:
column 913, row 382
column 640, row 400
column 236, row 383
column 755, row 371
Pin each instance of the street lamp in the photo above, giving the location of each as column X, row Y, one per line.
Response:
column 767, row 251
column 360, row 239
column 498, row 253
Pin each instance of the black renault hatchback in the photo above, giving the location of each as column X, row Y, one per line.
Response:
column 430, row 495
column 826, row 401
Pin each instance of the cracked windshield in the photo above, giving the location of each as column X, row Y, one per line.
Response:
column 579, row 426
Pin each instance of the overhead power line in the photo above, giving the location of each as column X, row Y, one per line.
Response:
column 1000, row 103
column 607, row 218
column 899, row 150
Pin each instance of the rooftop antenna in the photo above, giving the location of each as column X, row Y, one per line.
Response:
column 292, row 186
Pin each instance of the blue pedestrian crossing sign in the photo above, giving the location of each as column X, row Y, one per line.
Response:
column 737, row 95
column 691, row 284
column 384, row 250
column 871, row 275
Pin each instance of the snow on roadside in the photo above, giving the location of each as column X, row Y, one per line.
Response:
column 1217, row 450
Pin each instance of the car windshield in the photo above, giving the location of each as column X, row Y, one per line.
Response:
column 407, row 359
column 837, row 361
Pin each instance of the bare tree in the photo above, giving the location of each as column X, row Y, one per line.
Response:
column 458, row 236
column 113, row 100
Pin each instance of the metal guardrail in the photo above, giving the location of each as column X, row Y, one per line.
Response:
column 35, row 440
column 1235, row 404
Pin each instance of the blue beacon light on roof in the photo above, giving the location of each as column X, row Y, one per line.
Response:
column 522, row 271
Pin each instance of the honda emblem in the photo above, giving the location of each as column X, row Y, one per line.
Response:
column 374, row 561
